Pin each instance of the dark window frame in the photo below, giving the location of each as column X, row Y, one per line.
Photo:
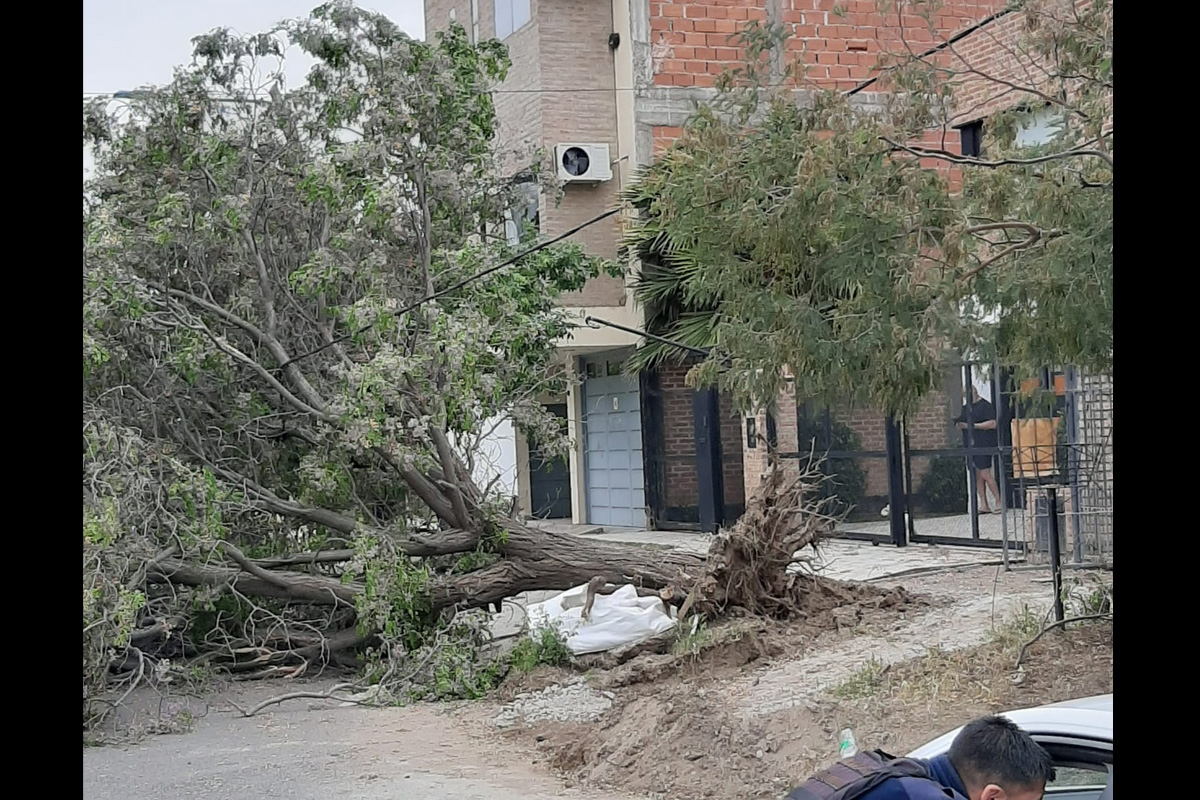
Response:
column 971, row 139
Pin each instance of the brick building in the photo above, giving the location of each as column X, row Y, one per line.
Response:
column 624, row 76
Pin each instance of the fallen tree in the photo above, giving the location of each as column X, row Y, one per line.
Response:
column 302, row 314
column 747, row 566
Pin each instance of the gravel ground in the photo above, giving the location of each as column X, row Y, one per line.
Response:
column 573, row 701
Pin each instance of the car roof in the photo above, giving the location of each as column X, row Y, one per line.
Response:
column 1101, row 702
column 1089, row 717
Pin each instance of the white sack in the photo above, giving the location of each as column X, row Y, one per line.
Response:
column 617, row 619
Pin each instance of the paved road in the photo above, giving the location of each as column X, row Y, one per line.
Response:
column 309, row 750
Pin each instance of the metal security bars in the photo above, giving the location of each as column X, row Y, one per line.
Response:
column 976, row 463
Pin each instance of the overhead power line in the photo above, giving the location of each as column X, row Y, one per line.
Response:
column 455, row 287
column 702, row 351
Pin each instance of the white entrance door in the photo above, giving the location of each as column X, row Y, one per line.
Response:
column 612, row 423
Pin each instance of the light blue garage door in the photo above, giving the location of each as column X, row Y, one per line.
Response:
column 612, row 424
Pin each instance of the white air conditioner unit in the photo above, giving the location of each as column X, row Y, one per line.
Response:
column 583, row 163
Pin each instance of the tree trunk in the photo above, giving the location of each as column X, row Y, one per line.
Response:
column 542, row 560
column 531, row 560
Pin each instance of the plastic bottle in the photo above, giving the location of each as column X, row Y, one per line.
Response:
column 847, row 746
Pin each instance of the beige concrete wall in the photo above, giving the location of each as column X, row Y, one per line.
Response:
column 438, row 12
column 519, row 100
column 579, row 104
column 562, row 87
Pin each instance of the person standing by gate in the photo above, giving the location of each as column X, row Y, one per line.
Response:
column 982, row 434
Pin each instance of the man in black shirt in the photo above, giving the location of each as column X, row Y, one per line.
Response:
column 982, row 435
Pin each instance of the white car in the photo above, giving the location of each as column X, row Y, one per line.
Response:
column 1078, row 734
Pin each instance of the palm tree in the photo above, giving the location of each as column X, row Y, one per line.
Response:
column 666, row 264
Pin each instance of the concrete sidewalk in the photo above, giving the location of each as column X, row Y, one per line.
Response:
column 841, row 559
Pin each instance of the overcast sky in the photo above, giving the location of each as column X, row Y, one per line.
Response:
column 132, row 43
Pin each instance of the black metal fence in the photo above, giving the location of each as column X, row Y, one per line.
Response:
column 692, row 452
column 852, row 449
column 1061, row 437
column 974, row 466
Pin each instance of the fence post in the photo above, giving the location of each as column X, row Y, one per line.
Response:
column 710, row 478
column 897, row 501
column 972, row 470
column 1055, row 554
column 906, row 463
column 1073, row 470
column 1001, row 404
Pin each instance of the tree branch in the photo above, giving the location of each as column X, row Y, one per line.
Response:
column 330, row 694
column 263, row 373
column 946, row 155
column 315, row 589
column 272, row 344
column 1035, row 235
column 264, row 280
column 273, row 502
column 449, row 467
column 1059, row 624
column 252, row 568
column 424, row 488
column 439, row 544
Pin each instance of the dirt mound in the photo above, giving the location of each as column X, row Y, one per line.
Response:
column 680, row 734
column 681, row 742
column 671, row 731
column 725, row 649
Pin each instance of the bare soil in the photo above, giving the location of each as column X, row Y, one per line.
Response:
column 755, row 707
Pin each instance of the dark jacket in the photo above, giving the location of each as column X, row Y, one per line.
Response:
column 945, row 784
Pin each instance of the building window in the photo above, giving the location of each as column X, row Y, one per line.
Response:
column 971, row 136
column 511, row 15
column 523, row 220
column 1037, row 127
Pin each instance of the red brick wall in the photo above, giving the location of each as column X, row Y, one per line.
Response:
column 930, row 427
column 691, row 44
column 693, row 40
column 868, row 425
column 997, row 52
column 679, row 438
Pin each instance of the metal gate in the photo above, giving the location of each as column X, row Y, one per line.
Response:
column 852, row 448
column 693, row 452
column 976, row 465
column 957, row 463
column 1051, row 445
